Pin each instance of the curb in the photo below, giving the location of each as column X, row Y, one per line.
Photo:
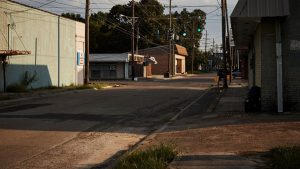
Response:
column 15, row 101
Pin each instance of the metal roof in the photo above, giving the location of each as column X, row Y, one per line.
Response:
column 13, row 52
column 39, row 9
column 247, row 14
column 261, row 8
column 181, row 50
column 110, row 57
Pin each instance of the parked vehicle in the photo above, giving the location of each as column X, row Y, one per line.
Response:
column 236, row 73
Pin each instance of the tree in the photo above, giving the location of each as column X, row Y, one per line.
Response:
column 111, row 32
column 184, row 23
column 73, row 16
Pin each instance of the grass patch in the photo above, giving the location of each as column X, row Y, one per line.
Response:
column 75, row 87
column 89, row 86
column 157, row 157
column 285, row 157
column 98, row 85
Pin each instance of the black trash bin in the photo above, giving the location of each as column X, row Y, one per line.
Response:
column 253, row 100
column 167, row 75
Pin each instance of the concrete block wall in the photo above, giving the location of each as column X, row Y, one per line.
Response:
column 268, row 66
column 258, row 56
column 291, row 57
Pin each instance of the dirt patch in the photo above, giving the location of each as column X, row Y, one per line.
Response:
column 256, row 137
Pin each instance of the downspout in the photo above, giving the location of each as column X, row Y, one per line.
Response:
column 58, row 53
column 279, row 68
column 35, row 52
column 4, row 63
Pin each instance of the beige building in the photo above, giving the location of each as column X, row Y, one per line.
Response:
column 56, row 45
column 266, row 32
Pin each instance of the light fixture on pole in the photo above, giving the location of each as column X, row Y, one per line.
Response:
column 132, row 44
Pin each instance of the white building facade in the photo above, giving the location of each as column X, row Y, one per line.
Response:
column 56, row 45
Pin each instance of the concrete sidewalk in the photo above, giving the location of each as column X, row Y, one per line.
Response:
column 230, row 102
column 224, row 136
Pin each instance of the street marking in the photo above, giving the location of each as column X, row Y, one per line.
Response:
column 178, row 114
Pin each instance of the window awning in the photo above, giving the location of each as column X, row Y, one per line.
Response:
column 247, row 14
column 181, row 50
column 13, row 52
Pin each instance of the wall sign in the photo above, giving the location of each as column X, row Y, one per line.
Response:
column 295, row 45
column 80, row 58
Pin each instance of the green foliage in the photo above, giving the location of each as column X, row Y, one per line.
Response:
column 285, row 157
column 76, row 17
column 157, row 157
column 111, row 32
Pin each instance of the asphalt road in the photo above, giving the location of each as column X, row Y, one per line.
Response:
column 87, row 128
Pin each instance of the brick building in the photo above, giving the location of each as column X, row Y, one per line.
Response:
column 161, row 54
column 268, row 34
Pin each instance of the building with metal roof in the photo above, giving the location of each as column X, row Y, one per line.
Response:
column 56, row 45
column 115, row 66
column 267, row 34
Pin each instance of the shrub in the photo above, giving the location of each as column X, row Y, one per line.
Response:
column 285, row 157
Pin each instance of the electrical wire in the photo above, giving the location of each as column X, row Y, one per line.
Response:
column 36, row 7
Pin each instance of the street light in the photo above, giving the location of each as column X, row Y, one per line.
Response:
column 132, row 21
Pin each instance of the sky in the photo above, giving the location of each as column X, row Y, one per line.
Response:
column 213, row 26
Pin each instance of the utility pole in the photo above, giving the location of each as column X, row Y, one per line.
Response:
column 87, row 44
column 213, row 54
column 228, row 40
column 8, row 27
column 225, row 85
column 205, row 47
column 170, row 59
column 137, row 40
column 193, row 54
column 132, row 45
column 205, row 41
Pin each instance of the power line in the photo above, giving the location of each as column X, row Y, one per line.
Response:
column 36, row 7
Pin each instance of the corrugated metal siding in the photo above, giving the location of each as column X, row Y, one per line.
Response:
column 261, row 8
column 3, row 26
column 38, row 25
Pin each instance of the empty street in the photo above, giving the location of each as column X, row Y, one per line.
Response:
column 86, row 128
